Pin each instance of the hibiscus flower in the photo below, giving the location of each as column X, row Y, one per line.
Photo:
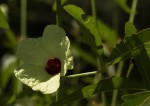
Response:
column 44, row 60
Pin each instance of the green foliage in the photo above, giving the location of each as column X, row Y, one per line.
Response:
column 98, row 30
column 129, row 29
column 142, row 62
column 124, row 49
column 90, row 32
column 137, row 99
column 114, row 83
column 87, row 26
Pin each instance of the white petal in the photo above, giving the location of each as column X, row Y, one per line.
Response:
column 31, row 51
column 49, row 86
column 37, row 78
column 67, row 64
column 52, row 40
column 57, row 43
column 69, row 60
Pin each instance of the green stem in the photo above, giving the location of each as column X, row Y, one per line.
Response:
column 103, row 95
column 101, row 69
column 93, row 10
column 59, row 13
column 100, row 63
column 23, row 18
column 81, row 74
column 59, row 93
column 131, row 20
column 115, row 92
column 133, row 11
column 129, row 70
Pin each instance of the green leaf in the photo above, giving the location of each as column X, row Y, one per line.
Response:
column 124, row 49
column 91, row 26
column 104, row 85
column 129, row 29
column 3, row 21
column 142, row 62
column 75, row 12
column 106, row 33
column 87, row 25
column 137, row 99
column 123, row 5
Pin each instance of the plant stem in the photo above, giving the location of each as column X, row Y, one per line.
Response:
column 100, row 63
column 81, row 74
column 23, row 18
column 131, row 20
column 133, row 11
column 59, row 93
column 100, row 69
column 129, row 70
column 59, row 13
column 93, row 10
column 103, row 96
column 115, row 92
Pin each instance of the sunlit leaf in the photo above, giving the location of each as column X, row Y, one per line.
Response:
column 124, row 49
column 104, row 85
column 137, row 99
column 87, row 25
column 93, row 30
column 129, row 29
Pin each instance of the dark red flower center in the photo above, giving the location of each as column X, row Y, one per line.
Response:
column 53, row 66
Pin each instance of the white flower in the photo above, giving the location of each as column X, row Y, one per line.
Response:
column 45, row 59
